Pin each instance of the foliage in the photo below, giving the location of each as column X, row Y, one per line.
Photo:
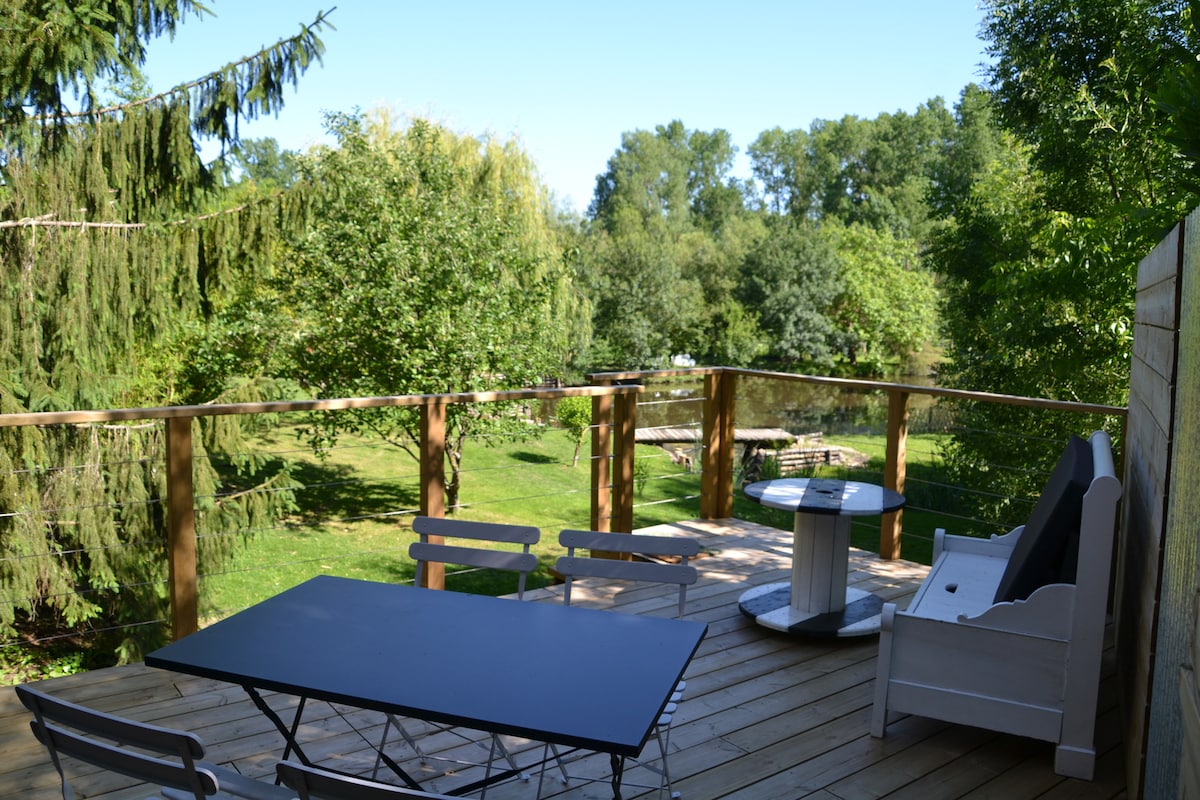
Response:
column 1076, row 82
column 109, row 269
column 887, row 301
column 682, row 258
column 791, row 278
column 574, row 416
column 1040, row 260
column 429, row 269
column 1177, row 97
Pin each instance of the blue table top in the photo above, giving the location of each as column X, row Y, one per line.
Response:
column 825, row 496
column 563, row 674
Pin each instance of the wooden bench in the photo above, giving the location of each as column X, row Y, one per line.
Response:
column 1006, row 633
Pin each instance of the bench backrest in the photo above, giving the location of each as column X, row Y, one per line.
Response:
column 1048, row 549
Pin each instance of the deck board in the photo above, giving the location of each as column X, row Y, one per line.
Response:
column 765, row 715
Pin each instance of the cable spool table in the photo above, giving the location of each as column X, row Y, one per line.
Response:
column 817, row 601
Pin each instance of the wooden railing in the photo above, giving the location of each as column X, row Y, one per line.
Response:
column 614, row 419
column 613, row 409
column 720, row 389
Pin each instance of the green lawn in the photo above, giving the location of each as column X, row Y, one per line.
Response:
column 354, row 517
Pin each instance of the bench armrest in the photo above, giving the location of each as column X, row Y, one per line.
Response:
column 998, row 546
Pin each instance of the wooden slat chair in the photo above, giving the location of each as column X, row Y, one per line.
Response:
column 424, row 552
column 168, row 759
column 682, row 574
column 312, row 783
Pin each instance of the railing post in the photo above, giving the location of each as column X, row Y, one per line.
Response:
column 602, row 421
column 433, row 480
column 624, row 448
column 895, row 468
column 716, row 465
column 181, row 529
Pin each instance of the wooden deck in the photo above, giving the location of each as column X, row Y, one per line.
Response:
column 764, row 716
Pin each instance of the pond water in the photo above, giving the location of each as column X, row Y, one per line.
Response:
column 795, row 407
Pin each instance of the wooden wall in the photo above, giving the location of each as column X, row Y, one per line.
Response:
column 1177, row 650
column 1157, row 581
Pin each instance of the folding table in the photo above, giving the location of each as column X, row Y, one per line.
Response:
column 567, row 675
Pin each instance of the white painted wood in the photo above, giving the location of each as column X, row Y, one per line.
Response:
column 1030, row 667
column 856, row 498
column 820, row 561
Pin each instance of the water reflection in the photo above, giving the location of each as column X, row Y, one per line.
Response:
column 799, row 408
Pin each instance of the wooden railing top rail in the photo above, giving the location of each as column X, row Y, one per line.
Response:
column 868, row 385
column 283, row 406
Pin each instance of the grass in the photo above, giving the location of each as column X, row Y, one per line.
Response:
column 354, row 516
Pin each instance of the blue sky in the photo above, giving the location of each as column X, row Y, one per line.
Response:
column 567, row 79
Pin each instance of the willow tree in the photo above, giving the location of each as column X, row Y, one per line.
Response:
column 115, row 250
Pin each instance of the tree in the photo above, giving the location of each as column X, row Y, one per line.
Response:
column 108, row 268
column 669, row 231
column 886, row 307
column 574, row 415
column 644, row 307
column 1037, row 303
column 791, row 279
column 778, row 159
column 430, row 268
column 1076, row 81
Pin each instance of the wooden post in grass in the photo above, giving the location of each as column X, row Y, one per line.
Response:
column 433, row 480
column 716, row 471
column 602, row 409
column 624, row 446
column 895, row 467
column 181, row 529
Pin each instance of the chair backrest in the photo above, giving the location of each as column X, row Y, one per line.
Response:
column 425, row 551
column 571, row 566
column 313, row 783
column 100, row 739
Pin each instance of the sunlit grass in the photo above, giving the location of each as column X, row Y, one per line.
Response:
column 354, row 516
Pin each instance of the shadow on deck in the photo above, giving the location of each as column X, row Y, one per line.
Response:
column 765, row 715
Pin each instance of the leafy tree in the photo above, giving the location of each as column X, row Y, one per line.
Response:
column 645, row 308
column 574, row 415
column 429, row 268
column 727, row 332
column 791, row 279
column 108, row 269
column 973, row 145
column 669, row 231
column 887, row 304
column 778, row 159
column 648, row 175
column 877, row 172
column 264, row 164
column 1076, row 81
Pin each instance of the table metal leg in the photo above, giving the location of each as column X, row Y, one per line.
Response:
column 293, row 746
column 618, row 772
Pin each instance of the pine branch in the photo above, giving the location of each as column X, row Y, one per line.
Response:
column 256, row 82
column 187, row 87
column 48, row 220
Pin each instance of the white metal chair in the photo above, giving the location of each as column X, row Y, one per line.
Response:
column 423, row 552
column 108, row 742
column 313, row 783
column 572, row 567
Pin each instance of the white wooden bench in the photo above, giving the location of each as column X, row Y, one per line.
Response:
column 1006, row 633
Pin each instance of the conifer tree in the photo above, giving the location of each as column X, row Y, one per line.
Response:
column 115, row 249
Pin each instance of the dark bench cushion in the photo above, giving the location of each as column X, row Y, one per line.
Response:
column 1048, row 549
